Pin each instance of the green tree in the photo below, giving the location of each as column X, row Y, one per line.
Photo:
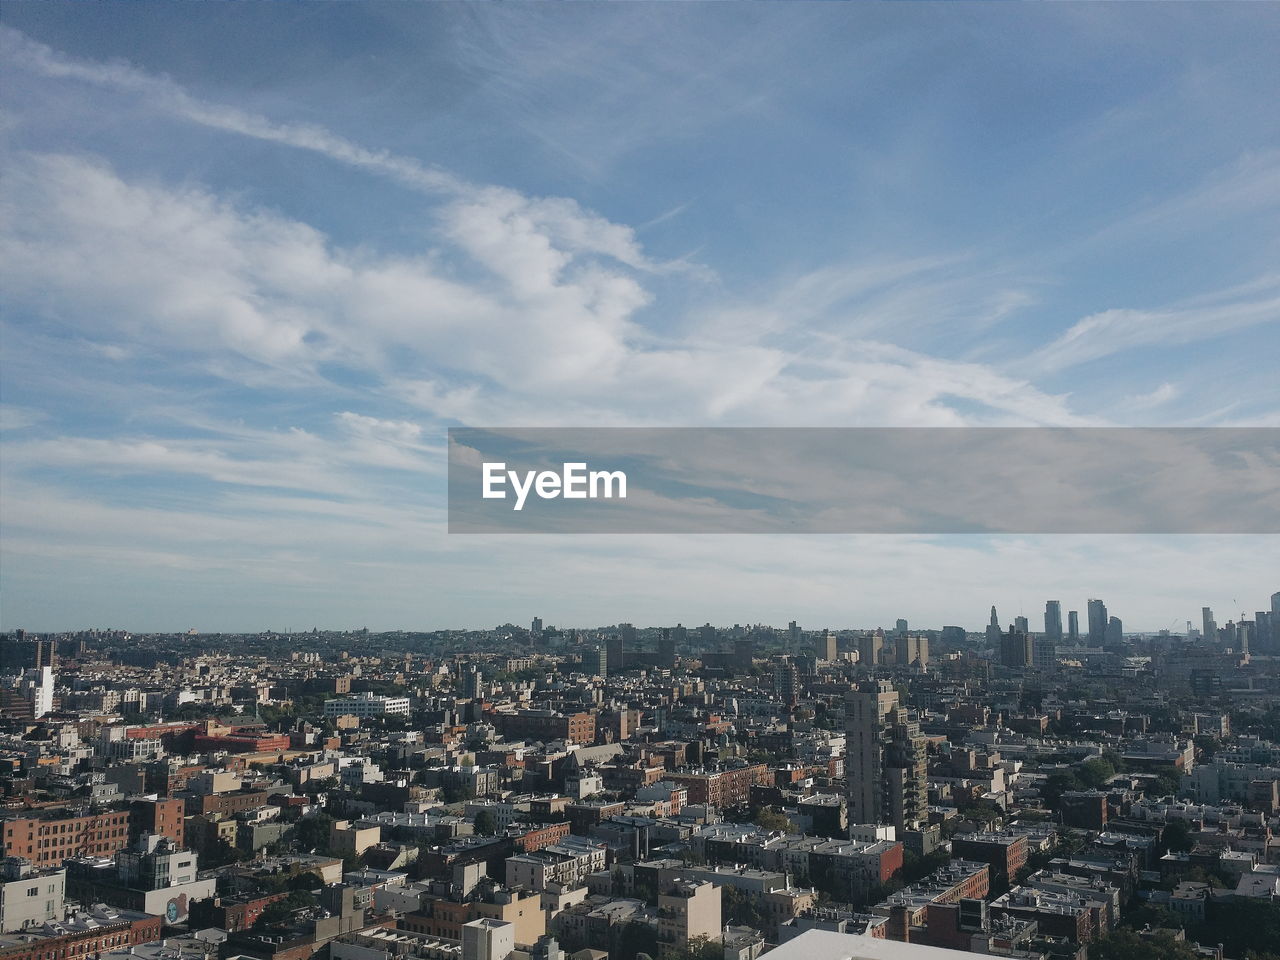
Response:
column 1244, row 928
column 312, row 833
column 1167, row 784
column 699, row 948
column 738, row 907
column 306, row 881
column 1096, row 771
column 770, row 819
column 633, row 939
column 486, row 825
column 1055, row 785
column 281, row 910
column 1127, row 945
column 1177, row 837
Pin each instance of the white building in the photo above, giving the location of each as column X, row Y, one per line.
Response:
column 30, row 897
column 487, row 939
column 567, row 863
column 367, row 705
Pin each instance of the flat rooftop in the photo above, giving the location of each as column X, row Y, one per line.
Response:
column 826, row 945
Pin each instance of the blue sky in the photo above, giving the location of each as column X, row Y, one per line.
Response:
column 257, row 258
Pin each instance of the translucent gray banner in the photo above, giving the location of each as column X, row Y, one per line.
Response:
column 864, row 480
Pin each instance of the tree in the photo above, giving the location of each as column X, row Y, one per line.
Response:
column 770, row 819
column 738, row 907
column 309, row 880
column 281, row 910
column 699, row 948
column 1096, row 771
column 452, row 791
column 312, row 833
column 1056, row 784
column 486, row 825
column 1152, row 915
column 633, row 939
column 1177, row 837
column 1243, row 927
column 1127, row 945
column 1167, row 784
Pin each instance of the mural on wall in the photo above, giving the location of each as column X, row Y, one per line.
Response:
column 176, row 909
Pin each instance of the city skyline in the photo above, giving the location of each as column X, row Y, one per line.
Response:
column 627, row 629
column 648, row 481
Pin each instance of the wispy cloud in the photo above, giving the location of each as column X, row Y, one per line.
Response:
column 278, row 384
column 559, row 220
column 1112, row 331
column 1153, row 398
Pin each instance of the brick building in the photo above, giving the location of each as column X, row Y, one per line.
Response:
column 536, row 837
column 84, row 934
column 227, row 804
column 48, row 838
column 722, row 788
column 1005, row 852
column 546, row 725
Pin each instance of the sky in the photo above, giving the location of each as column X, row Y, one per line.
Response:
column 256, row 259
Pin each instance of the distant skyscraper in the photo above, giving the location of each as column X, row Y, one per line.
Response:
column 1097, row 623
column 1022, row 624
column 620, row 646
column 900, row 628
column 870, row 648
column 595, row 661
column 667, row 648
column 1044, row 653
column 1053, row 620
column 824, row 645
column 793, row 635
column 1073, row 626
column 536, row 627
column 786, row 680
column 22, row 652
column 885, row 758
column 1115, row 631
column 1016, row 651
column 472, row 682
column 744, row 653
column 993, row 629
column 911, row 649
column 1208, row 627
column 1263, row 637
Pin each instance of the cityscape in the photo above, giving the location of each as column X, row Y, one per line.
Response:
column 639, row 481
column 1055, row 791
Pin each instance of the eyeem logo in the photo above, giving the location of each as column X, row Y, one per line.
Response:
column 573, row 482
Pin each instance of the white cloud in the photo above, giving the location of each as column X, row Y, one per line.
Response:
column 1152, row 399
column 19, row 418
column 1112, row 331
column 519, row 309
column 542, row 332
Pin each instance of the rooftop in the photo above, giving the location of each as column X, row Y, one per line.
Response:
column 826, row 945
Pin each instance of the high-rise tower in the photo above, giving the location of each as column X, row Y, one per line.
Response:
column 1097, row 623
column 1208, row 627
column 1053, row 620
column 885, row 762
